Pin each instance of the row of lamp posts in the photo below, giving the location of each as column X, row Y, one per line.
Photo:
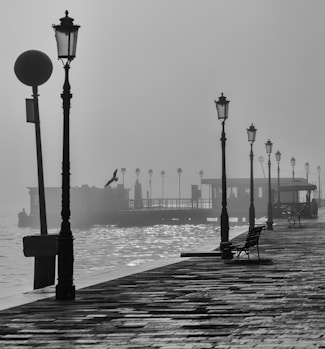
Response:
column 293, row 163
column 66, row 34
column 222, row 106
column 162, row 173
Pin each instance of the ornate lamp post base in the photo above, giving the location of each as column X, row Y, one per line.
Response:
column 225, row 244
column 226, row 252
column 251, row 215
column 65, row 290
column 65, row 293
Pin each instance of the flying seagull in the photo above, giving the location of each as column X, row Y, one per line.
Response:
column 113, row 179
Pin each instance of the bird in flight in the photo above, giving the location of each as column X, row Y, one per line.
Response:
column 113, row 179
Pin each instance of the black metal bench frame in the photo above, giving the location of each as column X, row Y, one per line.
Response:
column 295, row 215
column 252, row 240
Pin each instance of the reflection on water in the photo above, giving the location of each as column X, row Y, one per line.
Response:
column 111, row 247
column 15, row 269
column 101, row 248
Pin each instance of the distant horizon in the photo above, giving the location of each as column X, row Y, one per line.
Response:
column 144, row 81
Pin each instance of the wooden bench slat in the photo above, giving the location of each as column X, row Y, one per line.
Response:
column 252, row 240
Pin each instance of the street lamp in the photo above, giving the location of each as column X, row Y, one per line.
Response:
column 293, row 163
column 268, row 147
column 137, row 172
column 307, row 170
column 201, row 175
column 179, row 172
column 162, row 183
column 66, row 34
column 222, row 106
column 123, row 170
column 251, row 133
column 308, row 192
column 150, row 186
column 319, row 199
column 138, row 202
column 278, row 159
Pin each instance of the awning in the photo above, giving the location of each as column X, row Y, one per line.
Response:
column 298, row 187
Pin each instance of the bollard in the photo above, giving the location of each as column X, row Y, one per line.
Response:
column 44, row 248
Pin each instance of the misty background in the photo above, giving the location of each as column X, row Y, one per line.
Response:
column 144, row 81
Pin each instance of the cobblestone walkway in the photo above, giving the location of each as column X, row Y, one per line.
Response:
column 197, row 303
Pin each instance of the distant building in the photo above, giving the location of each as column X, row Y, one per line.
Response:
column 89, row 205
column 238, row 194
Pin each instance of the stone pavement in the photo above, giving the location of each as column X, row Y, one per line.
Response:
column 278, row 302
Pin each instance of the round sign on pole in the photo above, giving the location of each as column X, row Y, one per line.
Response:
column 33, row 68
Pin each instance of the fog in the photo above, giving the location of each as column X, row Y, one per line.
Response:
column 144, row 82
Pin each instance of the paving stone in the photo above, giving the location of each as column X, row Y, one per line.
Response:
column 278, row 302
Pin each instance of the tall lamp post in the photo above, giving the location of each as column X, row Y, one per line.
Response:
column 162, row 173
column 293, row 163
column 201, row 175
column 319, row 198
column 268, row 147
column 251, row 133
column 138, row 202
column 278, row 159
column 150, row 185
column 308, row 192
column 179, row 172
column 123, row 170
column 150, row 172
column 307, row 170
column 137, row 172
column 66, row 34
column 222, row 106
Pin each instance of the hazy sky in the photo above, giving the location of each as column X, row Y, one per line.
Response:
column 144, row 82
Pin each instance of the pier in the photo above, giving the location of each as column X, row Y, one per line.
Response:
column 166, row 211
column 107, row 206
column 201, row 302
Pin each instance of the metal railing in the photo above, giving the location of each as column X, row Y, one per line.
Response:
column 172, row 204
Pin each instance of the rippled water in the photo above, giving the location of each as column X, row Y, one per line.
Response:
column 101, row 248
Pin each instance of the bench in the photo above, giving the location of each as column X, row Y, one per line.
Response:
column 294, row 215
column 251, row 241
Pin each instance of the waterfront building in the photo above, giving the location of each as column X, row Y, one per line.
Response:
column 89, row 205
column 293, row 196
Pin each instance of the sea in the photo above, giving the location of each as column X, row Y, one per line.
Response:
column 103, row 248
